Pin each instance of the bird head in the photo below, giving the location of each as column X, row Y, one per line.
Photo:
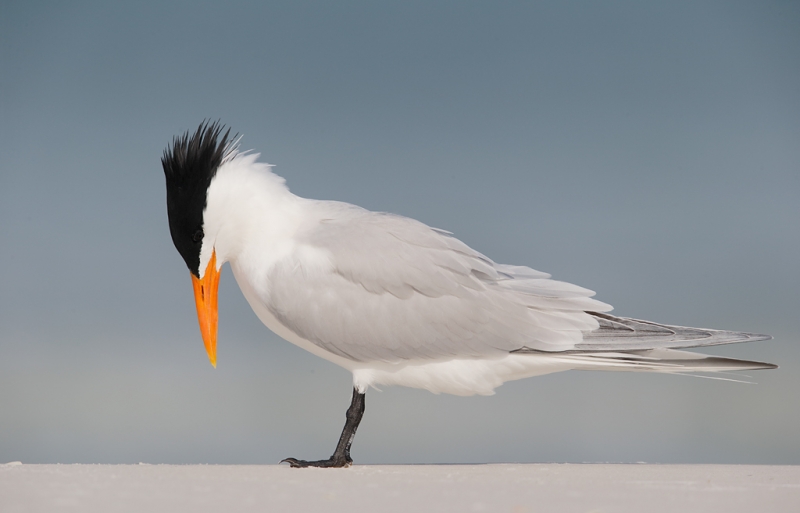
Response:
column 190, row 164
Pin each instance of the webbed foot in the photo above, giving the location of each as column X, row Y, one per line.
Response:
column 332, row 462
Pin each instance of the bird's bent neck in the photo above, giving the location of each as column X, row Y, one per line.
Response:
column 249, row 209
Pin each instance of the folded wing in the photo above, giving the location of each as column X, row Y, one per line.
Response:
column 424, row 293
column 427, row 295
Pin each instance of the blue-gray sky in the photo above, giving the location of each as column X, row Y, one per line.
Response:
column 648, row 151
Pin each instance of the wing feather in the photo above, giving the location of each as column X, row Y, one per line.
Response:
column 424, row 293
column 391, row 289
column 625, row 334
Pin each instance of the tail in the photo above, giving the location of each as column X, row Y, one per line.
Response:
column 667, row 361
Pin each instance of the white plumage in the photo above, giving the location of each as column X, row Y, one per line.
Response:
column 400, row 303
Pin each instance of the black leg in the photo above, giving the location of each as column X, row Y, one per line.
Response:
column 341, row 456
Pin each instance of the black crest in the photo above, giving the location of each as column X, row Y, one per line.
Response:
column 189, row 165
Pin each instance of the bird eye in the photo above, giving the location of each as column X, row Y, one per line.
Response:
column 198, row 236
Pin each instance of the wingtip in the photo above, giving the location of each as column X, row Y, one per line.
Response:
column 758, row 337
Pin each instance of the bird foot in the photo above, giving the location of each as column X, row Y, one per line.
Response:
column 332, row 462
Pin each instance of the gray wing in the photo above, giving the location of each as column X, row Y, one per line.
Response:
column 389, row 288
column 622, row 333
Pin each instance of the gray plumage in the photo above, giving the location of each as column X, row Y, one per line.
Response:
column 399, row 290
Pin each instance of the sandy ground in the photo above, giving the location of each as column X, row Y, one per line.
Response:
column 458, row 488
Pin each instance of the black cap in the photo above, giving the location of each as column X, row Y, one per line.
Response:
column 189, row 165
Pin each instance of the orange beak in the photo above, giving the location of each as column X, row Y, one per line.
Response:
column 205, row 298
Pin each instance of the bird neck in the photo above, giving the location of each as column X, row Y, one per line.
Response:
column 249, row 210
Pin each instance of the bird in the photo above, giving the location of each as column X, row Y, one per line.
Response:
column 391, row 299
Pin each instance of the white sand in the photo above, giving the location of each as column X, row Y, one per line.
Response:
column 456, row 488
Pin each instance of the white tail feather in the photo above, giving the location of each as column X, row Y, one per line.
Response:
column 668, row 361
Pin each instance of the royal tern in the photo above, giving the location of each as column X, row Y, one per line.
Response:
column 391, row 299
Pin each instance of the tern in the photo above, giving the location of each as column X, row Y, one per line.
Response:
column 392, row 300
